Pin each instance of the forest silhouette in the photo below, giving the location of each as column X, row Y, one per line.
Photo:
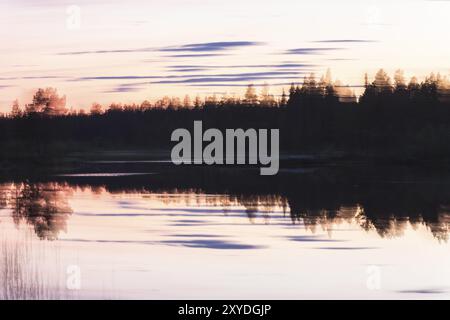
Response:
column 392, row 120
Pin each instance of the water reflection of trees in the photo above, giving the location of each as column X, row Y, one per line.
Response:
column 42, row 205
column 386, row 201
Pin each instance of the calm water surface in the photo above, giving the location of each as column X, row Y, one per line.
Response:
column 307, row 234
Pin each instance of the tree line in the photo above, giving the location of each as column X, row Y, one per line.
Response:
column 392, row 118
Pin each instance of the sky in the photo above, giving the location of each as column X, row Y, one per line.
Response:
column 128, row 51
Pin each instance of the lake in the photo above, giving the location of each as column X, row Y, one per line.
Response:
column 140, row 230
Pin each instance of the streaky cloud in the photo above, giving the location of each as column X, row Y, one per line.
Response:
column 199, row 55
column 190, row 69
column 311, row 239
column 212, row 244
column 305, row 51
column 262, row 73
column 230, row 75
column 116, row 78
column 222, row 79
column 105, row 51
column 194, row 47
column 240, row 85
column 126, row 87
column 42, row 77
column 186, row 68
column 210, row 46
column 32, row 78
column 424, row 291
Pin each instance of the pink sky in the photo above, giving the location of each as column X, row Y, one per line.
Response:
column 115, row 51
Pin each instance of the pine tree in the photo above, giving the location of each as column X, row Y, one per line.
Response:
column 15, row 109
